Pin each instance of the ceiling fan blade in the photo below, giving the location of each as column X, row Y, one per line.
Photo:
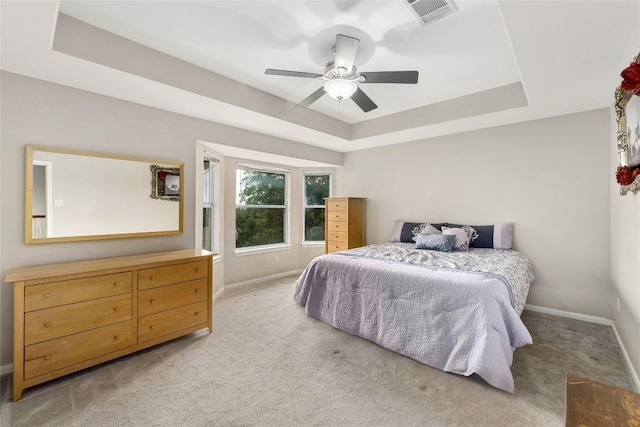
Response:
column 287, row 73
column 407, row 77
column 363, row 101
column 346, row 49
column 311, row 98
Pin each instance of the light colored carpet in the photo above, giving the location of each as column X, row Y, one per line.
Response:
column 268, row 364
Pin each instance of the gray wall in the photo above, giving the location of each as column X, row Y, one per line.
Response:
column 550, row 177
column 37, row 112
column 625, row 262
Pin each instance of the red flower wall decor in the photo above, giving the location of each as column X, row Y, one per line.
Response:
column 631, row 78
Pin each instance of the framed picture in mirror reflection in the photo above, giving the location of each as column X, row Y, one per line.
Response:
column 165, row 183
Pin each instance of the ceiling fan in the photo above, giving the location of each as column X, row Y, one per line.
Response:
column 342, row 78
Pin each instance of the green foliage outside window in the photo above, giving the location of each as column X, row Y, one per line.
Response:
column 257, row 225
column 316, row 188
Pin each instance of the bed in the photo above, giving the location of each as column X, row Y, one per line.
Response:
column 454, row 311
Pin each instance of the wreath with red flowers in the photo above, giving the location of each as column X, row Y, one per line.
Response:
column 631, row 78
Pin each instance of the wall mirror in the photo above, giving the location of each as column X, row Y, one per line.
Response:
column 73, row 195
column 627, row 105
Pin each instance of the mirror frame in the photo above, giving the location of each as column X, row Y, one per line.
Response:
column 28, row 196
column 622, row 98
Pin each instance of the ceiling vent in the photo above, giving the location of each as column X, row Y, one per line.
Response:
column 428, row 11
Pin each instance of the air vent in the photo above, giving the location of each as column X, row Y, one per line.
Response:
column 428, row 11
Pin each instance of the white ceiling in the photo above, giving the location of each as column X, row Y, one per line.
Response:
column 563, row 56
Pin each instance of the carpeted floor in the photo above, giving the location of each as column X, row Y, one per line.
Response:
column 268, row 364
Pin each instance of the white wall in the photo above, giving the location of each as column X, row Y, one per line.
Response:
column 625, row 261
column 37, row 112
column 550, row 177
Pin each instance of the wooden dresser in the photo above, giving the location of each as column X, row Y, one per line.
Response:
column 70, row 316
column 344, row 224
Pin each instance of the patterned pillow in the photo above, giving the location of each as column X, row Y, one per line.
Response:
column 463, row 237
column 435, row 242
column 403, row 231
column 425, row 228
column 497, row 236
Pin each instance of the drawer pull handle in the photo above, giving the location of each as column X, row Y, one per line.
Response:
column 337, row 216
column 46, row 295
column 151, row 327
column 116, row 308
column 152, row 301
column 151, row 278
column 196, row 291
column 197, row 270
column 196, row 313
column 117, row 337
column 46, row 325
column 47, row 357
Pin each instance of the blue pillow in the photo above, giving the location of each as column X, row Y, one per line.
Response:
column 435, row 242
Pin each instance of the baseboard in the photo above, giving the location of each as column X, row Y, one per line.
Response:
column 600, row 321
column 627, row 361
column 262, row 279
column 568, row 314
column 6, row 369
column 218, row 293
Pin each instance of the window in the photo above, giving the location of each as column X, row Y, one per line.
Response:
column 317, row 186
column 261, row 206
column 208, row 181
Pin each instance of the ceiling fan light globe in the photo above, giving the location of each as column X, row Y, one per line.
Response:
column 340, row 89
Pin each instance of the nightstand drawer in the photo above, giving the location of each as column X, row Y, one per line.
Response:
column 337, row 216
column 166, row 297
column 336, row 237
column 335, row 247
column 44, row 325
column 337, row 205
column 333, row 226
column 161, row 276
column 170, row 321
column 66, row 351
column 54, row 294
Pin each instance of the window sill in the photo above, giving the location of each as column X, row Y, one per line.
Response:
column 262, row 249
column 312, row 244
column 217, row 258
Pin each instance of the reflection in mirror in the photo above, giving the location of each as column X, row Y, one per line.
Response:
column 77, row 195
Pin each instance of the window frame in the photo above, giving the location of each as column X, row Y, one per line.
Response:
column 304, row 242
column 286, row 206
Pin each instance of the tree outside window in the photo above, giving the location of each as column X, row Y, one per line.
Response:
column 317, row 186
column 261, row 207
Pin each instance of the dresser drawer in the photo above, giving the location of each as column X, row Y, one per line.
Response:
column 336, row 237
column 333, row 226
column 166, row 297
column 43, row 325
column 48, row 295
column 337, row 216
column 170, row 321
column 66, row 351
column 337, row 205
column 160, row 276
column 335, row 247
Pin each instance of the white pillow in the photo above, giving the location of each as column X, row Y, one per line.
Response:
column 461, row 243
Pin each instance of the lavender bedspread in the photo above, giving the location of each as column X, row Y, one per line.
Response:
column 449, row 317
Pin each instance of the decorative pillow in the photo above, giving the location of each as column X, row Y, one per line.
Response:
column 462, row 238
column 425, row 228
column 497, row 236
column 403, row 231
column 435, row 242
